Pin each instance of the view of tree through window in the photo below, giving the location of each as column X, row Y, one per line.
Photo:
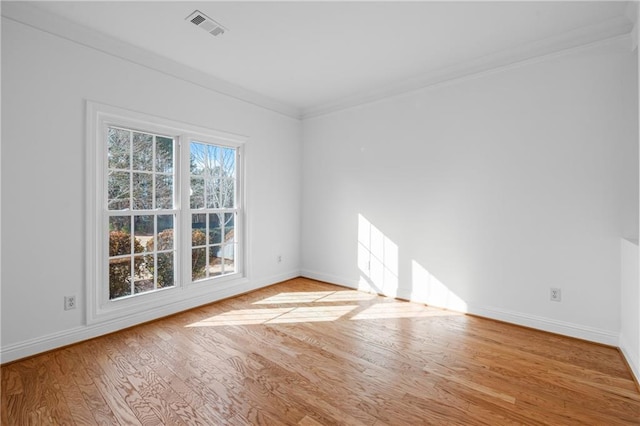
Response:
column 165, row 216
column 213, row 206
column 140, row 209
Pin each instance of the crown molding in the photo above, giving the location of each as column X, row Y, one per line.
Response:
column 40, row 19
column 564, row 43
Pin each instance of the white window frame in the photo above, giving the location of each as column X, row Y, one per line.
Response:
column 99, row 307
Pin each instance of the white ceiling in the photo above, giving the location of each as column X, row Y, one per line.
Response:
column 309, row 55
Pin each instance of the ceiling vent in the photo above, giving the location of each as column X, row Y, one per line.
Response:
column 203, row 21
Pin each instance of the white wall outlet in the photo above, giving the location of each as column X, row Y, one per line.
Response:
column 69, row 302
column 556, row 295
column 279, row 258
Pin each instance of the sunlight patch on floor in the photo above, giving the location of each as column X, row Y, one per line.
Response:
column 347, row 296
column 276, row 316
column 314, row 314
column 294, row 297
column 242, row 317
column 400, row 310
column 315, row 297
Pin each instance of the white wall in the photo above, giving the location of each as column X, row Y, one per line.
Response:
column 45, row 82
column 630, row 283
column 485, row 192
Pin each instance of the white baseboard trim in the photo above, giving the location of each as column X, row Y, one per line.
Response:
column 30, row 347
column 328, row 278
column 578, row 331
column 632, row 358
column 539, row 323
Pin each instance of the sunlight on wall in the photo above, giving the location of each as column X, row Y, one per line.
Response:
column 377, row 260
column 428, row 289
column 378, row 265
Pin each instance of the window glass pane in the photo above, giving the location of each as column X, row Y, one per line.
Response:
column 213, row 161
column 119, row 277
column 198, row 238
column 215, row 265
column 143, row 231
column 119, row 235
column 198, row 263
column 212, row 193
column 142, row 151
column 164, row 155
column 142, row 191
column 118, row 191
column 215, row 232
column 165, row 233
column 118, row 148
column 197, row 193
column 143, row 274
column 229, row 256
column 228, row 162
column 165, row 270
column 215, row 167
column 198, row 229
column 198, row 156
column 229, row 228
column 227, row 193
column 164, row 191
column 120, row 223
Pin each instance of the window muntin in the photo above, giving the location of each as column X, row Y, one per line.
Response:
column 140, row 210
column 214, row 209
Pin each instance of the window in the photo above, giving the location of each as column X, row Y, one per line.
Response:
column 165, row 210
column 140, row 209
column 213, row 206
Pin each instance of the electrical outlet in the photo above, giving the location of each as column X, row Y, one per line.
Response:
column 69, row 302
column 556, row 295
column 279, row 258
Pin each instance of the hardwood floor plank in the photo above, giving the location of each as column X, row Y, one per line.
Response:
column 92, row 397
column 151, row 366
column 309, row 353
column 308, row 421
column 169, row 409
column 113, row 394
column 74, row 408
column 11, row 382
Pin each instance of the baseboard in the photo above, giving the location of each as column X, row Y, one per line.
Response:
column 633, row 359
column 60, row 339
column 577, row 331
column 539, row 323
column 328, row 278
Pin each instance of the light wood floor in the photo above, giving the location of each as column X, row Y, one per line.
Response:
column 309, row 353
